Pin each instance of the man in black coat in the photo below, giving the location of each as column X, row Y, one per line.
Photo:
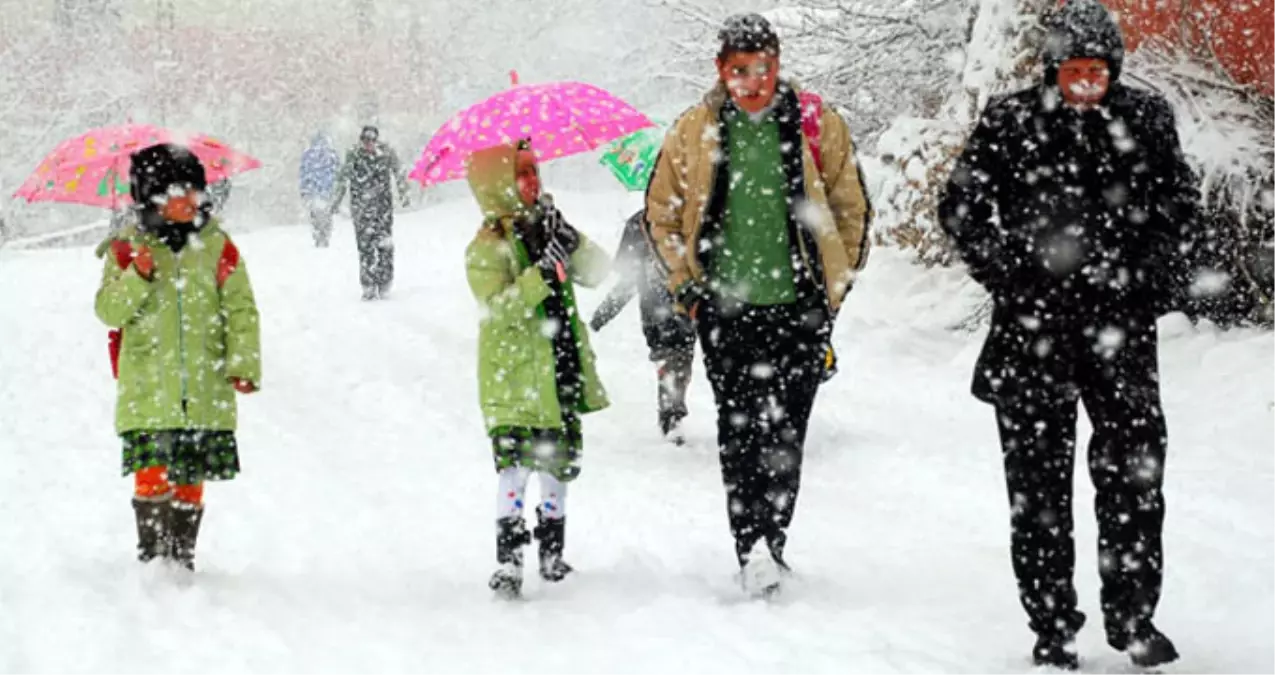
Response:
column 369, row 172
column 670, row 336
column 1073, row 206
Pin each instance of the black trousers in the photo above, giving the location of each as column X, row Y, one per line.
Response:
column 1121, row 392
column 373, row 231
column 765, row 366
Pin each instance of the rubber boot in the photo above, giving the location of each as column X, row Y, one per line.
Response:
column 552, row 535
column 153, row 522
column 511, row 536
column 186, row 519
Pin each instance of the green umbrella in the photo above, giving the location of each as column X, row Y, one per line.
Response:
column 632, row 158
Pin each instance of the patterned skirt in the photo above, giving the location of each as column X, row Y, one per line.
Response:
column 556, row 452
column 191, row 455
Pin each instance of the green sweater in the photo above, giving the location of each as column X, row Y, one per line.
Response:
column 754, row 263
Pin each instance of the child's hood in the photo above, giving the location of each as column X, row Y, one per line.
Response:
column 492, row 179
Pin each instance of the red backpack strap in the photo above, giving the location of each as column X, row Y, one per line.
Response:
column 123, row 252
column 812, row 123
column 228, row 262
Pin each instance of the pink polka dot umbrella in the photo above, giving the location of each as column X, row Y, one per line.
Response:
column 560, row 118
column 92, row 168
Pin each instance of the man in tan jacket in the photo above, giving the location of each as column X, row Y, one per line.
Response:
column 758, row 210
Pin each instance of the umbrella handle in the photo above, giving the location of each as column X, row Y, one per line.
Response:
column 513, row 78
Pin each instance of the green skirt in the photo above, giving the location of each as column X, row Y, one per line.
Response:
column 191, row 455
column 553, row 451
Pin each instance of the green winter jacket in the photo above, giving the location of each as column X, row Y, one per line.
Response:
column 516, row 385
column 183, row 337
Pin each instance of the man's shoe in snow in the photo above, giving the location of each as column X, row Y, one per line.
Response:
column 552, row 535
column 153, row 539
column 776, row 544
column 369, row 294
column 760, row 575
column 1056, row 650
column 1146, row 645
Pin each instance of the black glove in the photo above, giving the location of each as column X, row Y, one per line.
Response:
column 553, row 256
column 596, row 323
column 556, row 228
column 689, row 295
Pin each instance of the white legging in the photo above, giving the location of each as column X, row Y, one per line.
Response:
column 512, row 486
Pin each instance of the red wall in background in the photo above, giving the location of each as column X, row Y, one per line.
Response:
column 1240, row 32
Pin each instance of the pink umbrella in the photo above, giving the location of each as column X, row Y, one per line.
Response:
column 560, row 118
column 92, row 168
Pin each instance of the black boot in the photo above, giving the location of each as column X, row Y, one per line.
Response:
column 186, row 519
column 153, row 522
column 1057, row 647
column 1146, row 645
column 552, row 534
column 776, row 542
column 671, row 426
column 511, row 536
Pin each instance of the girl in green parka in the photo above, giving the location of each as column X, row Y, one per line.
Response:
column 536, row 372
column 177, row 291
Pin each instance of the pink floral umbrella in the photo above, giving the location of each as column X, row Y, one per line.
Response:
column 92, row 168
column 560, row 118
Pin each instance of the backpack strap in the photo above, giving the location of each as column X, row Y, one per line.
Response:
column 812, row 124
column 228, row 263
column 123, row 253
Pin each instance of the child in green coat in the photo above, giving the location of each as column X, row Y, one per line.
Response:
column 536, row 372
column 178, row 294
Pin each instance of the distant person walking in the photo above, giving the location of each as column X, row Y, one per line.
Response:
column 369, row 172
column 319, row 165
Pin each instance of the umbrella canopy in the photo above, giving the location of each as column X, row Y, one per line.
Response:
column 92, row 168
column 632, row 159
column 560, row 118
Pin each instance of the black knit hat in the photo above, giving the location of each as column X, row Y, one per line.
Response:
column 1083, row 29
column 369, row 133
column 154, row 169
column 747, row 33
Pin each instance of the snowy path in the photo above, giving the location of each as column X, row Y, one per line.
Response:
column 359, row 536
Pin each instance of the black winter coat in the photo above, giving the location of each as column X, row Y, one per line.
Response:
column 1076, row 222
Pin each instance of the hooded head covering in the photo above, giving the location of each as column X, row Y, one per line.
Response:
column 152, row 172
column 1083, row 29
column 492, row 179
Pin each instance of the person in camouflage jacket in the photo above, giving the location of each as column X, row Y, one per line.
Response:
column 367, row 172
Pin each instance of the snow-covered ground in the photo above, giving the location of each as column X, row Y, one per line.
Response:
column 359, row 537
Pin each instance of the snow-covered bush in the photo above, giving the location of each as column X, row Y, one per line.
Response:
column 1226, row 135
column 918, row 153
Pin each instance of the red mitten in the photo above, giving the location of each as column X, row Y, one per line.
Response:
column 242, row 386
column 144, row 262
